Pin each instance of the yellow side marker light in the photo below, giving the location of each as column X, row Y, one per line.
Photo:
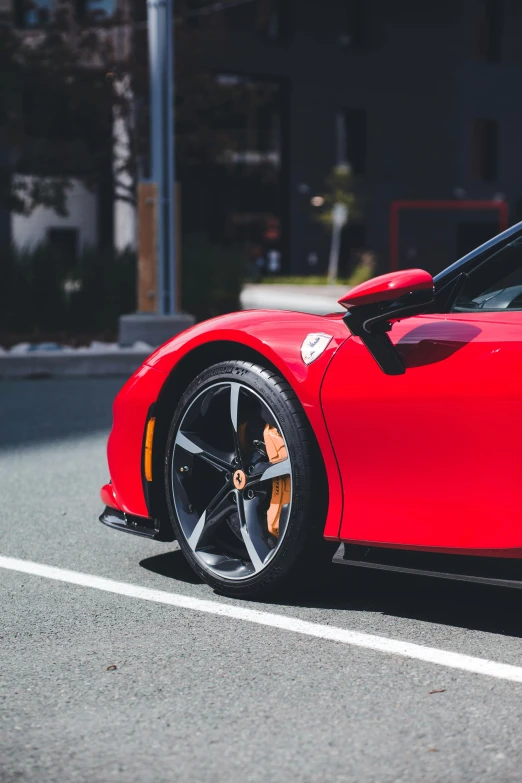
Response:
column 147, row 457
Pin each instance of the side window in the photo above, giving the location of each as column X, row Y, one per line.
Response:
column 496, row 284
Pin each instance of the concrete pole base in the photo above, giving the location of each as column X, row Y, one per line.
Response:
column 151, row 328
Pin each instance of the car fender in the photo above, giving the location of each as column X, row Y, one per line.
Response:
column 275, row 335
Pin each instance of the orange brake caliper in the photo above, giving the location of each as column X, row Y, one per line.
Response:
column 276, row 452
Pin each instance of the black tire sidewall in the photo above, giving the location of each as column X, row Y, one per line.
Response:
column 282, row 400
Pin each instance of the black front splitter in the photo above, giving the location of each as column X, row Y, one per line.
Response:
column 138, row 526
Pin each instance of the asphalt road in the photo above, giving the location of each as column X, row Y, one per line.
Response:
column 198, row 697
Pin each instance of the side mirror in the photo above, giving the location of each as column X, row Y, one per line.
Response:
column 374, row 306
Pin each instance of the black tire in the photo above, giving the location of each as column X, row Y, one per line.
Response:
column 260, row 398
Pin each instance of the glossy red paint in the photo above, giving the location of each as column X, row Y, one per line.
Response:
column 108, row 498
column 278, row 336
column 387, row 288
column 124, row 449
column 431, row 459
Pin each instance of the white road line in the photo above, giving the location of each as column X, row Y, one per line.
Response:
column 467, row 663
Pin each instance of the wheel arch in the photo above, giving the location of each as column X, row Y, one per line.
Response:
column 273, row 343
column 181, row 375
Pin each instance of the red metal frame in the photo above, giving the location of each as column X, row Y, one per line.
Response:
column 396, row 206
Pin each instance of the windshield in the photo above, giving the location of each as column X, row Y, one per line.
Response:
column 496, row 284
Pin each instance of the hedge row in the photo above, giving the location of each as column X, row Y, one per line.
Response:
column 41, row 292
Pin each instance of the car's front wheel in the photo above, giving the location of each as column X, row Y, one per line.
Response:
column 244, row 484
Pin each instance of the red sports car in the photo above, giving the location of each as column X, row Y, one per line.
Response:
column 264, row 441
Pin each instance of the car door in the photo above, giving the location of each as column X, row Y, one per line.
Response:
column 432, row 458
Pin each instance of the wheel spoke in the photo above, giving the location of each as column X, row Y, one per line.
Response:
column 270, row 470
column 234, row 404
column 194, row 445
column 235, row 388
column 214, row 513
column 251, row 530
column 198, row 530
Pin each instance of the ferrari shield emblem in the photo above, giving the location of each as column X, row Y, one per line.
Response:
column 313, row 346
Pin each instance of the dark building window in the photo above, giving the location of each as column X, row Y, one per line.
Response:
column 33, row 13
column 273, row 18
column 92, row 11
column 237, row 193
column 38, row 13
column 139, row 10
column 64, row 244
column 250, row 115
column 489, row 33
column 269, row 17
column 484, row 149
column 352, row 24
column 350, row 141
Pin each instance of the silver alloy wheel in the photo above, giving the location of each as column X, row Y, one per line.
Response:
column 223, row 481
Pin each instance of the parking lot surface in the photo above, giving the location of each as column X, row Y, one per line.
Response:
column 100, row 686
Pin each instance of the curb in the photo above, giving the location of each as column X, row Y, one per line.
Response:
column 124, row 361
column 40, row 364
column 297, row 298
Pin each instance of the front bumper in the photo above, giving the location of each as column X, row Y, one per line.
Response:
column 139, row 526
column 114, row 516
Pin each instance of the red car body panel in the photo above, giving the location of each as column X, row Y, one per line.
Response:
column 125, row 446
column 276, row 335
column 386, row 288
column 107, row 495
column 443, row 439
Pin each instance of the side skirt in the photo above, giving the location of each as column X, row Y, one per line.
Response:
column 495, row 571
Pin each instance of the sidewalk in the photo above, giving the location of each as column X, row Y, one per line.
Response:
column 317, row 299
column 120, row 362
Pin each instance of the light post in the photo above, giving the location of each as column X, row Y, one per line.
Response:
column 160, row 30
column 159, row 318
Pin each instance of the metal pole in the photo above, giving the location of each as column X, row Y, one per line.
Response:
column 161, row 60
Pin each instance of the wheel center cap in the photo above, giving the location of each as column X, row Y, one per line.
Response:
column 239, row 479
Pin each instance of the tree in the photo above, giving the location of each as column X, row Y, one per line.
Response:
column 55, row 117
column 61, row 90
column 340, row 203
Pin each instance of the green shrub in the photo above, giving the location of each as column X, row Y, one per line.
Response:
column 364, row 270
column 42, row 292
column 108, row 289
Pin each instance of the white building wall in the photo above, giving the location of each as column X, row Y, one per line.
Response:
column 124, row 225
column 81, row 204
column 124, row 213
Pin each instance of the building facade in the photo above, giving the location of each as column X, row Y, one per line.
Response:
column 419, row 98
column 92, row 215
